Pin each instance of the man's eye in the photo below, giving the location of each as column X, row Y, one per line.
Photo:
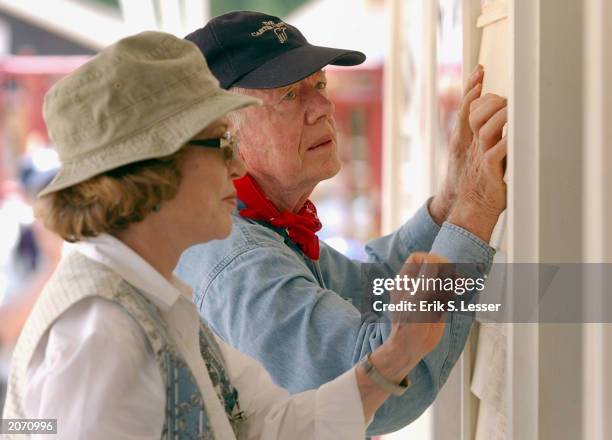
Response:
column 289, row 96
column 321, row 85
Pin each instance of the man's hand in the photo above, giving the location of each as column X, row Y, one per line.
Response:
column 481, row 191
column 460, row 142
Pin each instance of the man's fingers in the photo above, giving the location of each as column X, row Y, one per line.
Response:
column 496, row 154
column 491, row 132
column 487, row 107
column 470, row 97
column 472, row 91
column 424, row 257
column 412, row 265
column 435, row 259
column 433, row 266
column 476, row 77
column 416, row 258
column 485, row 100
column 415, row 262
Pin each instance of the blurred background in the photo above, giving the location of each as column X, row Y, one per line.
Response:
column 395, row 114
column 38, row 45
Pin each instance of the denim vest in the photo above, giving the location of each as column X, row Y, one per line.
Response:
column 186, row 416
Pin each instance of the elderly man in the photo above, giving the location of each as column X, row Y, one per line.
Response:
column 272, row 289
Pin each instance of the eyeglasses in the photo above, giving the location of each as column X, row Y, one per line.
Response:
column 228, row 144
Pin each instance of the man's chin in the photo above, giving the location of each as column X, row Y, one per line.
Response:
column 330, row 171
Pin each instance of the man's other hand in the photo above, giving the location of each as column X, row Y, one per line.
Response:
column 481, row 190
column 460, row 142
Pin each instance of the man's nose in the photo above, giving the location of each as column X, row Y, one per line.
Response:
column 319, row 105
column 237, row 167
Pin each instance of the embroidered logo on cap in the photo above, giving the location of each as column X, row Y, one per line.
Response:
column 279, row 28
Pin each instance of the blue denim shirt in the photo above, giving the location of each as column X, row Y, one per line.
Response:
column 259, row 293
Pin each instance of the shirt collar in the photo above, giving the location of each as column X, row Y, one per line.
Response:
column 120, row 258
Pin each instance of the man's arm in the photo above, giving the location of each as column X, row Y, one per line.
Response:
column 267, row 303
column 457, row 245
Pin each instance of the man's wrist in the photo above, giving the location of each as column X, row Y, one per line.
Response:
column 440, row 207
column 473, row 218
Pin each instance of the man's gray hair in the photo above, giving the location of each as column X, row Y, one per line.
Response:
column 236, row 117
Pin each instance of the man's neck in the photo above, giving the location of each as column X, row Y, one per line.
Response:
column 284, row 199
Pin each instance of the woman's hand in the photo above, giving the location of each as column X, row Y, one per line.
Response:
column 413, row 335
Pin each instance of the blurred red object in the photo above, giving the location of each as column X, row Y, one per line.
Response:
column 24, row 80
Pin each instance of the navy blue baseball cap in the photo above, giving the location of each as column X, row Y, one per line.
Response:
column 260, row 51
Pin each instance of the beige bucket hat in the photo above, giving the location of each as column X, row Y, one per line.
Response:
column 141, row 98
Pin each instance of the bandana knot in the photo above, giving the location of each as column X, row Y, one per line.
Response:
column 301, row 227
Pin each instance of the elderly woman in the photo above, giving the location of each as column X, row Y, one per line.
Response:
column 114, row 348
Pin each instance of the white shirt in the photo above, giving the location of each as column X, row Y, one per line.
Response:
column 95, row 372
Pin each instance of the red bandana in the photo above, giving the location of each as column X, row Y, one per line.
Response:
column 301, row 227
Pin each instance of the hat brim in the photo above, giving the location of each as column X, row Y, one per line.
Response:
column 296, row 64
column 171, row 134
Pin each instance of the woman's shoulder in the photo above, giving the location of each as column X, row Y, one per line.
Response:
column 78, row 283
column 96, row 320
column 80, row 276
column 93, row 352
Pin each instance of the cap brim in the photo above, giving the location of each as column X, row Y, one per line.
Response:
column 172, row 134
column 294, row 65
